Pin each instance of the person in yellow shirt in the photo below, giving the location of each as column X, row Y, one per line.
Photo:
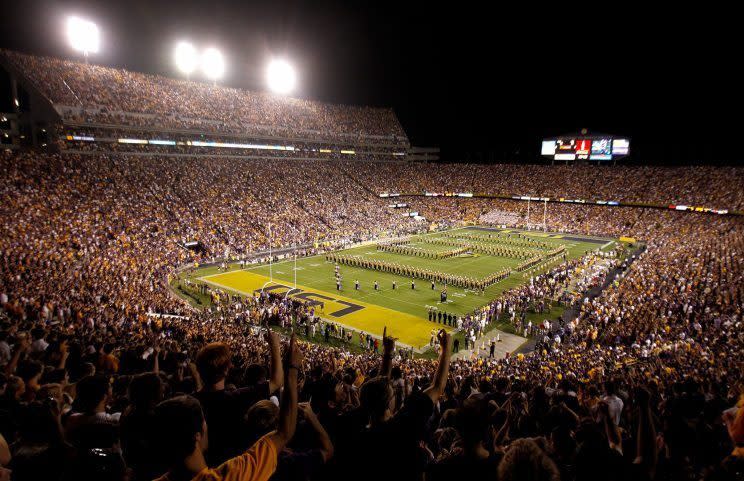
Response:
column 183, row 436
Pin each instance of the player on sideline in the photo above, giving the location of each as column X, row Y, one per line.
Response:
column 377, row 286
column 356, row 284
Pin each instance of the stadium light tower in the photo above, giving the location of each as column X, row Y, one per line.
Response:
column 281, row 77
column 213, row 64
column 186, row 58
column 83, row 36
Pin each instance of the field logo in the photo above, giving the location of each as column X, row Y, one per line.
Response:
column 315, row 299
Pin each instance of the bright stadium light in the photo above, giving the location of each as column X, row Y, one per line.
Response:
column 212, row 64
column 83, row 35
column 186, row 58
column 281, row 77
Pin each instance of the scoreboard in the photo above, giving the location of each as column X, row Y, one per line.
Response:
column 585, row 148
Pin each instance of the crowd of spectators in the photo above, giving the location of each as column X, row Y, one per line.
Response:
column 714, row 187
column 108, row 375
column 85, row 94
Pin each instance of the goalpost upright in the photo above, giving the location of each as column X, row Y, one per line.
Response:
column 295, row 264
column 271, row 258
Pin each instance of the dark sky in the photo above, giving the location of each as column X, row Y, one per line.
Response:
column 482, row 80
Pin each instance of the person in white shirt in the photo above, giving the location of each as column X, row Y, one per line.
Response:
column 39, row 344
column 5, row 354
column 614, row 403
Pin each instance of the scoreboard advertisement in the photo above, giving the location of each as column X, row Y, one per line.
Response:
column 585, row 148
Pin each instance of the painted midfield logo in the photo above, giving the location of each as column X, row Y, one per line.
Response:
column 312, row 298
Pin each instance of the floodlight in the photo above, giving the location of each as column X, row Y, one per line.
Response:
column 186, row 57
column 281, row 76
column 83, row 35
column 212, row 63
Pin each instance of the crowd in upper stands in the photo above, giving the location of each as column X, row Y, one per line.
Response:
column 715, row 187
column 644, row 383
column 85, row 93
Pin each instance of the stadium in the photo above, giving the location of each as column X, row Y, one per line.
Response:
column 207, row 278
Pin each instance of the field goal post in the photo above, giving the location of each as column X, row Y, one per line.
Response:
column 545, row 216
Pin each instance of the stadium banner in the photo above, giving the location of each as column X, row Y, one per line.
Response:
column 709, row 210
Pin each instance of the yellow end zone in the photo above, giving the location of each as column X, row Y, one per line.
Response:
column 410, row 330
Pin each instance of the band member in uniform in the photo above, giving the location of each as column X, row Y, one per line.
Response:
column 393, row 285
column 338, row 284
column 377, row 286
column 432, row 285
column 413, row 285
column 356, row 284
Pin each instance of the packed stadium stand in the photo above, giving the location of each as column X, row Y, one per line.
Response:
column 107, row 374
column 113, row 109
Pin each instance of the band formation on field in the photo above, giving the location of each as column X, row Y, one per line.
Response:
column 396, row 282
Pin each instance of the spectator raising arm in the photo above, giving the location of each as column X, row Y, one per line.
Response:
column 288, row 410
column 276, row 380
column 326, row 446
column 5, row 451
column 611, row 430
column 435, row 390
column 24, row 345
column 646, row 454
column 388, row 344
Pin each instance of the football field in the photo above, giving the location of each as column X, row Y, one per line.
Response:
column 474, row 252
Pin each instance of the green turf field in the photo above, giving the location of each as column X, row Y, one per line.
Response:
column 403, row 310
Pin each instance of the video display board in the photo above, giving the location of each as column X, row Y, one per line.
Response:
column 585, row 148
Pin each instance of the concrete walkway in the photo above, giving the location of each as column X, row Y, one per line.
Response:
column 508, row 343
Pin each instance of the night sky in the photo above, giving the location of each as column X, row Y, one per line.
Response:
column 483, row 80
